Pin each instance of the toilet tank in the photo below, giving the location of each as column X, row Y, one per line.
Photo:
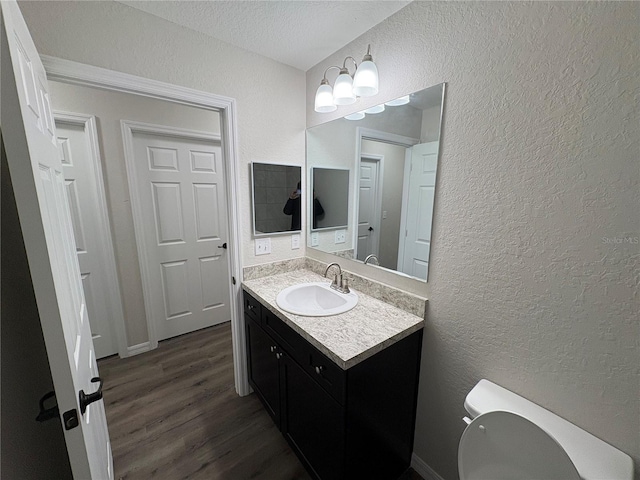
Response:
column 593, row 458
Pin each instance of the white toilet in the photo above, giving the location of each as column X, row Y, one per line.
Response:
column 511, row 438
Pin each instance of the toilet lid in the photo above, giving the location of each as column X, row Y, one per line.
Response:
column 505, row 446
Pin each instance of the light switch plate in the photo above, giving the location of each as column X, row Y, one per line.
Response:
column 295, row 241
column 263, row 246
column 341, row 236
column 315, row 240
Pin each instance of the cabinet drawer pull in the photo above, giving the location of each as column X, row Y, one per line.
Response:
column 273, row 348
column 250, row 307
column 278, row 356
column 319, row 369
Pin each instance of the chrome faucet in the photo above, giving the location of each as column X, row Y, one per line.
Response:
column 338, row 283
column 372, row 257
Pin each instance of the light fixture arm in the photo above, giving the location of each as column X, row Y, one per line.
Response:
column 367, row 56
column 344, row 64
column 324, row 76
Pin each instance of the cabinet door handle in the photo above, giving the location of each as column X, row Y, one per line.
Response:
column 273, row 348
column 278, row 356
column 250, row 307
column 319, row 369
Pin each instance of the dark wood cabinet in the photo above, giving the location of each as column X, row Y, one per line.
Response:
column 264, row 368
column 312, row 422
column 342, row 424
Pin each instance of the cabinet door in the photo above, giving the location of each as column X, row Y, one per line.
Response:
column 264, row 376
column 313, row 422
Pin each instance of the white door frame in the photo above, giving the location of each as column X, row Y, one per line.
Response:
column 363, row 133
column 128, row 129
column 76, row 73
column 377, row 208
column 114, row 298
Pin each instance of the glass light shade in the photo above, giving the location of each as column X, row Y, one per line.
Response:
column 398, row 101
column 355, row 116
column 343, row 90
column 376, row 109
column 365, row 81
column 324, row 99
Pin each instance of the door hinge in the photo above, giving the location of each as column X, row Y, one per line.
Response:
column 233, row 280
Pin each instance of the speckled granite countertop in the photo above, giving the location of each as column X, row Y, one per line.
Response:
column 348, row 338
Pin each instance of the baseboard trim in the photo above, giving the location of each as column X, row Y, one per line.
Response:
column 138, row 349
column 424, row 470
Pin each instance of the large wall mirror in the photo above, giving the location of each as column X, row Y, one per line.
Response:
column 277, row 198
column 391, row 154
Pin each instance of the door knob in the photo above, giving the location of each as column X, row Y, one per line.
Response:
column 87, row 399
column 48, row 413
column 224, row 245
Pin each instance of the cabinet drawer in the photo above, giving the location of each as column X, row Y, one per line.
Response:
column 292, row 342
column 251, row 307
column 330, row 376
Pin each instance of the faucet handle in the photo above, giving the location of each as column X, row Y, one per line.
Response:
column 345, row 286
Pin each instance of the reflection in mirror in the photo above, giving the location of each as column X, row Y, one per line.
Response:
column 276, row 198
column 330, row 197
column 392, row 157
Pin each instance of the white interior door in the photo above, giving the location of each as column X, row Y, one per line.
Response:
column 178, row 190
column 368, row 208
column 77, row 144
column 38, row 180
column 413, row 257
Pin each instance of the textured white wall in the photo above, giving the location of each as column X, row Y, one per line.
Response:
column 538, row 176
column 269, row 94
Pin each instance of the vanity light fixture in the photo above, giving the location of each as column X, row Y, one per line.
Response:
column 347, row 87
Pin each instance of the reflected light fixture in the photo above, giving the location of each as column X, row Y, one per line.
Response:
column 375, row 109
column 355, row 116
column 347, row 87
column 398, row 101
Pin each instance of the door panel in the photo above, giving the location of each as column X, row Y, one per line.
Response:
column 419, row 211
column 45, row 218
column 87, row 202
column 177, row 186
column 368, row 221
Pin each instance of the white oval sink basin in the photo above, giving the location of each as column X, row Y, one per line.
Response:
column 315, row 300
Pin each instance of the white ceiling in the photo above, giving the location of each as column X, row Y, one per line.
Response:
column 300, row 33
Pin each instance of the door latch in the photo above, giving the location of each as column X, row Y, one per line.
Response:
column 70, row 419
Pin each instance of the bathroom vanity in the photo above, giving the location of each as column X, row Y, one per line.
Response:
column 341, row 389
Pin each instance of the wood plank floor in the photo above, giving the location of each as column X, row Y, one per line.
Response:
column 173, row 413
